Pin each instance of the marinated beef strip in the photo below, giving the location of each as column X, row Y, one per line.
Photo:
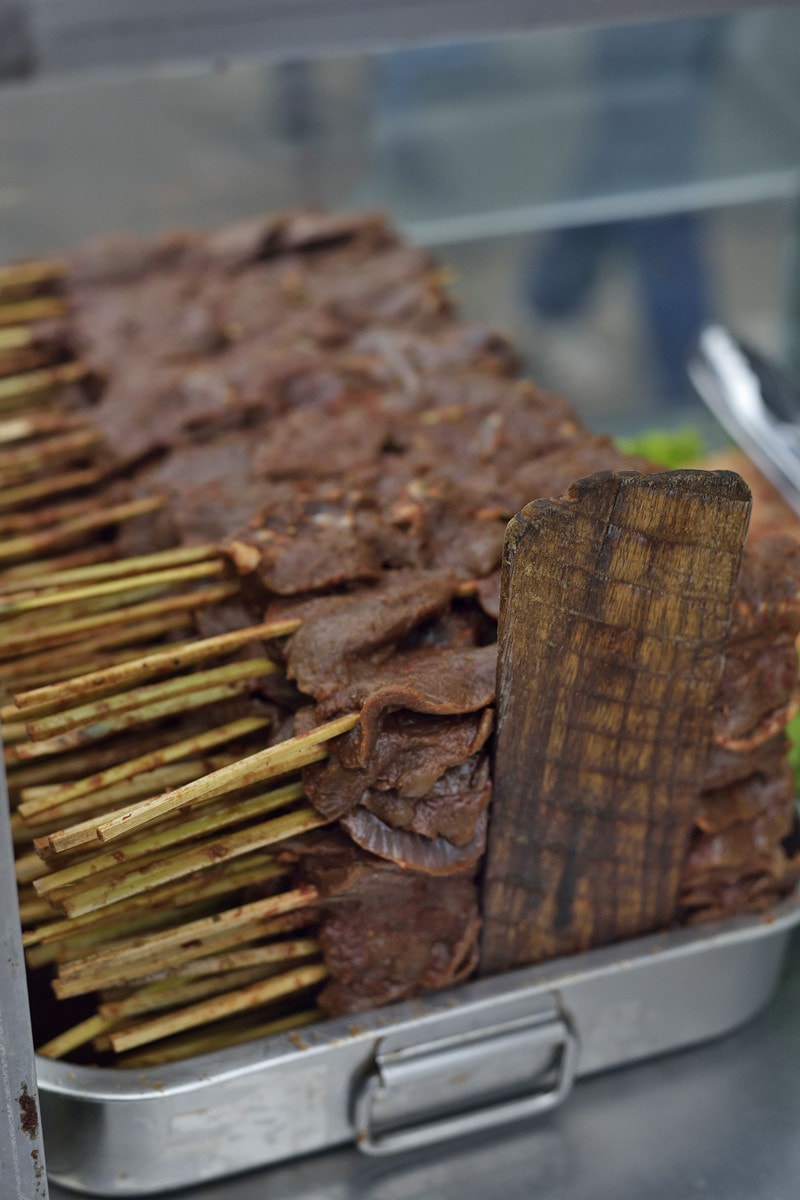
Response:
column 744, row 853
column 387, row 933
column 412, row 782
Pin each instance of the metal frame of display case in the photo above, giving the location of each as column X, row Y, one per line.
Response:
column 81, row 35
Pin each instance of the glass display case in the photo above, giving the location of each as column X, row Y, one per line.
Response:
column 598, row 191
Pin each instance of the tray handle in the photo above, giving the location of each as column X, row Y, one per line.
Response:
column 426, row 1094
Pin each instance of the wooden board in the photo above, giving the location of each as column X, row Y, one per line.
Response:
column 615, row 605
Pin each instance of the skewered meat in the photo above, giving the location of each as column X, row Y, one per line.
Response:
column 300, row 391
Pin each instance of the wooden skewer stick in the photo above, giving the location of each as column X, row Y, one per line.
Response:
column 14, row 732
column 54, row 485
column 46, row 620
column 126, row 586
column 174, row 752
column 138, row 878
column 42, row 454
column 173, row 992
column 39, row 518
column 157, row 839
column 173, row 897
column 64, row 560
column 31, row 910
column 23, row 311
column 29, row 867
column 58, row 724
column 250, row 956
column 17, row 429
column 106, row 799
column 16, row 337
column 271, row 763
column 183, row 703
column 206, row 1011
column 70, row 657
column 67, row 947
column 68, row 630
column 26, row 547
column 34, row 385
column 192, row 1045
column 143, row 955
column 160, row 662
column 30, row 358
column 60, row 626
column 141, row 564
column 31, row 273
column 61, row 559
column 79, row 1035
column 64, row 942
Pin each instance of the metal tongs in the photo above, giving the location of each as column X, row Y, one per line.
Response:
column 754, row 402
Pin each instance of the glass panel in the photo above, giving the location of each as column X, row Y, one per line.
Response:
column 601, row 191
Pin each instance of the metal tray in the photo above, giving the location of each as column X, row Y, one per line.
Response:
column 450, row 1063
column 454, row 1062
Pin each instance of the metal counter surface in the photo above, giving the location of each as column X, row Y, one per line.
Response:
column 721, row 1122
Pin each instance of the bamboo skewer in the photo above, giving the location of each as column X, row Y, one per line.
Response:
column 63, row 945
column 41, row 700
column 31, row 273
column 22, row 547
column 59, row 449
column 68, row 940
column 140, row 956
column 54, row 727
column 40, row 489
column 31, row 670
column 40, row 518
column 62, row 560
column 121, row 722
column 22, row 312
column 173, row 752
column 271, row 763
column 254, row 996
column 18, row 625
column 140, row 878
column 31, row 910
column 140, row 565
column 77, row 1036
column 28, row 357
column 17, row 429
column 105, row 799
column 173, row 992
column 125, row 587
column 129, row 635
column 191, row 1045
column 157, row 839
column 29, row 867
column 180, row 894
column 250, row 956
column 73, row 629
column 36, row 385
column 16, row 337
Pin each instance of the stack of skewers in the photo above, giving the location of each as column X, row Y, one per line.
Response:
column 141, row 924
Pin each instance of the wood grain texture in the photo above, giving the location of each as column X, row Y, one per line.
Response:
column 615, row 605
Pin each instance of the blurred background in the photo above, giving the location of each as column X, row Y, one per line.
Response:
column 599, row 191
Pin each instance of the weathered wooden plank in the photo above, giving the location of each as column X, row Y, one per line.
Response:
column 615, row 605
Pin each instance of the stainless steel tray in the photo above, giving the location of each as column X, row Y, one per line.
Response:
column 451, row 1063
column 485, row 1053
